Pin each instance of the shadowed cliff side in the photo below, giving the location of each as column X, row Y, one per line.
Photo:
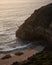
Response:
column 38, row 26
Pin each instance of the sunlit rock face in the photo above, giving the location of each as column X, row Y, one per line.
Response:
column 38, row 26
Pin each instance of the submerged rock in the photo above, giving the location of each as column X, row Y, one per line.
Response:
column 38, row 26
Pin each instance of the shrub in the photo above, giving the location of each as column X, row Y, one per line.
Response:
column 15, row 63
column 18, row 53
column 6, row 57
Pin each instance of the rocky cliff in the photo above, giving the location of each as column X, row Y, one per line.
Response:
column 38, row 26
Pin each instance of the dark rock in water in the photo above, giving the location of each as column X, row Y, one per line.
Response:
column 38, row 26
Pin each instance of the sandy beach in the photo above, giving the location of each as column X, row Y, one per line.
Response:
column 14, row 58
column 19, row 58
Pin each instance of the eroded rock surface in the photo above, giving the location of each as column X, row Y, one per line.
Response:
column 38, row 26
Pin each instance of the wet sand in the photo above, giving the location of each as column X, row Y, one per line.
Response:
column 14, row 58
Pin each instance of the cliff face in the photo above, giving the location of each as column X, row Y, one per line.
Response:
column 38, row 26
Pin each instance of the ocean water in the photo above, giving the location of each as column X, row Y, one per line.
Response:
column 12, row 14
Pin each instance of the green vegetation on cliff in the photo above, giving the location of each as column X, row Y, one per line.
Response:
column 42, row 58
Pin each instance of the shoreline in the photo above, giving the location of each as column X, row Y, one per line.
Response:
column 22, row 48
column 14, row 58
column 13, row 50
column 26, row 54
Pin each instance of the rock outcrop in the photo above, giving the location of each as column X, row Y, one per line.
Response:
column 38, row 26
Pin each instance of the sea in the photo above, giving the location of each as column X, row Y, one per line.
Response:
column 13, row 13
